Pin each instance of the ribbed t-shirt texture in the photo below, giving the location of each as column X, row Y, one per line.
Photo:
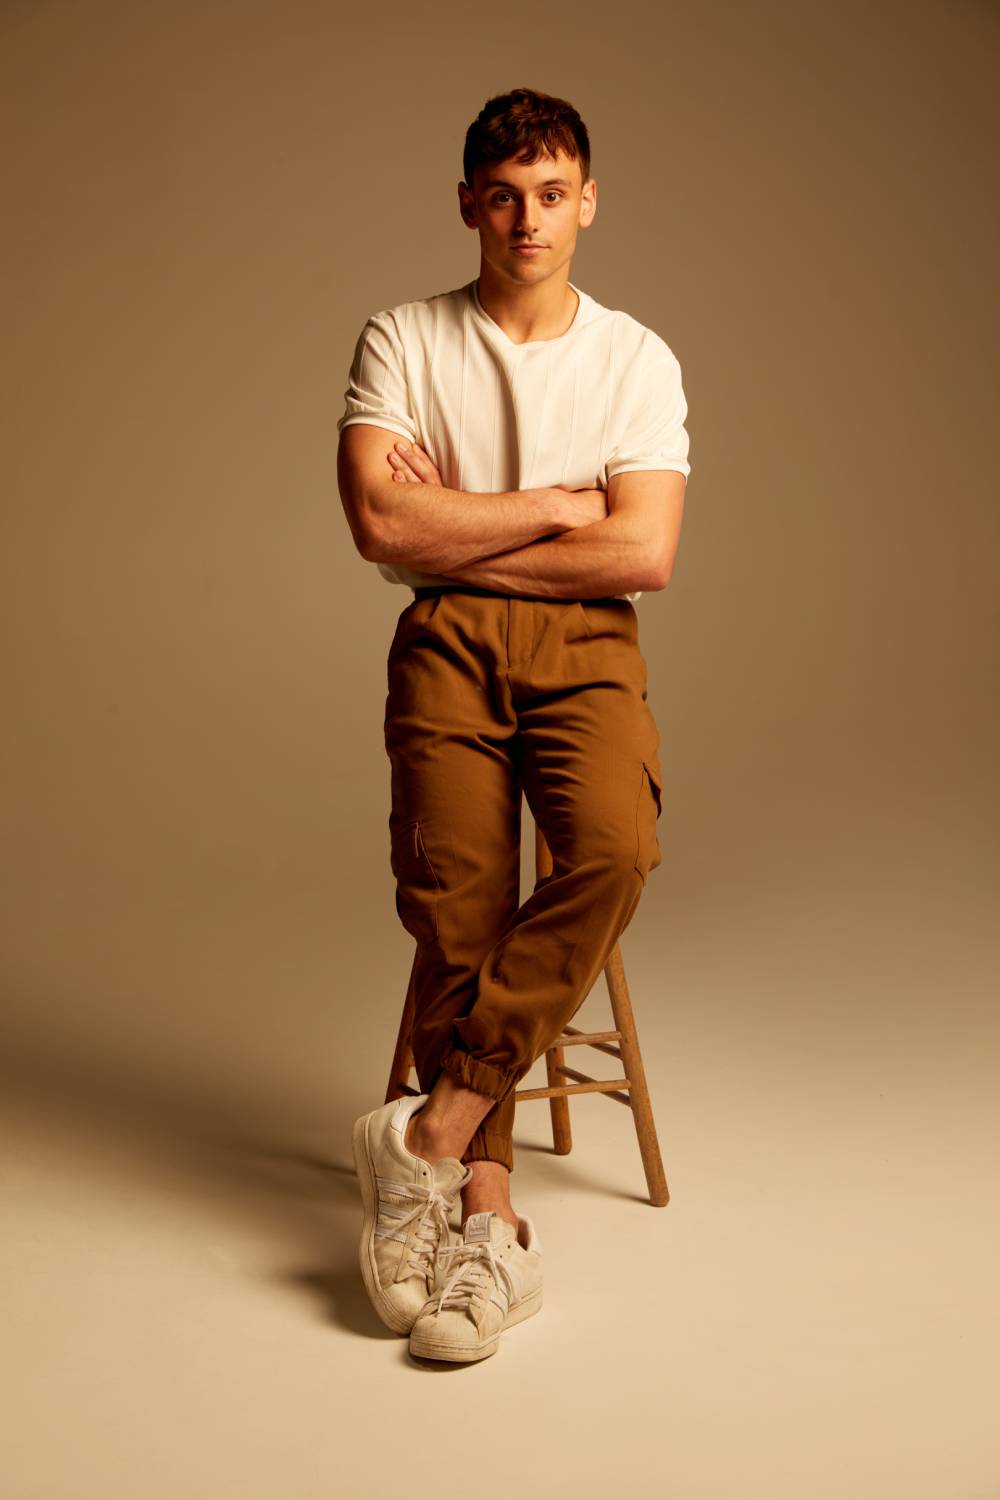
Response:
column 603, row 398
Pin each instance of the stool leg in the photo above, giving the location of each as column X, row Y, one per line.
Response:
column 562, row 1136
column 402, row 1058
column 642, row 1110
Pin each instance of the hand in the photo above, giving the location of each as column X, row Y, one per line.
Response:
column 581, row 507
column 411, row 465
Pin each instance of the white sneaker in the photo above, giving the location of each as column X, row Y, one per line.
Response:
column 406, row 1205
column 485, row 1283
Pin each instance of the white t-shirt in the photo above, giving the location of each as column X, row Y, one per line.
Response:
column 603, row 398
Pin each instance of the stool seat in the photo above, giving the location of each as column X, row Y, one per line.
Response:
column 620, row 1042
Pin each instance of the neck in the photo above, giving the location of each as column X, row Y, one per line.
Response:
column 527, row 313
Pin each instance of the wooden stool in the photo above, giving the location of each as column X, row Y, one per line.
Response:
column 622, row 1043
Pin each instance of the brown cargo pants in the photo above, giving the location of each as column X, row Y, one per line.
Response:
column 488, row 695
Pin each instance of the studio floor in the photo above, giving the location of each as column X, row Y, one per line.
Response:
column 813, row 1314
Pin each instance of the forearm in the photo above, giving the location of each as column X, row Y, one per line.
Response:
column 433, row 529
column 613, row 556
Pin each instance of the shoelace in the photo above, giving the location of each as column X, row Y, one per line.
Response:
column 431, row 1212
column 468, row 1275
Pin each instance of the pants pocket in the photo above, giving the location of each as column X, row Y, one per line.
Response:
column 649, row 807
column 417, row 886
column 419, row 612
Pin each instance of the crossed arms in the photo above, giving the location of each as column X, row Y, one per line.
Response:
column 574, row 544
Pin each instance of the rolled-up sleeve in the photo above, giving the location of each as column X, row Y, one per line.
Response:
column 655, row 436
column 377, row 391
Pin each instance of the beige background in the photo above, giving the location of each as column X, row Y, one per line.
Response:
column 202, row 966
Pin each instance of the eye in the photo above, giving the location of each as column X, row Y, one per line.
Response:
column 549, row 193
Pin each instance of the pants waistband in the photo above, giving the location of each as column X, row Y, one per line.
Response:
column 425, row 591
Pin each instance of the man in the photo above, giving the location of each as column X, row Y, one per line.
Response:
column 515, row 453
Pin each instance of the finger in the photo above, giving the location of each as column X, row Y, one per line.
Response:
column 403, row 470
column 429, row 472
column 414, row 455
column 421, row 462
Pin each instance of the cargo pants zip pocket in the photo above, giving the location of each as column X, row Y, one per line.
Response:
column 417, row 884
column 648, row 809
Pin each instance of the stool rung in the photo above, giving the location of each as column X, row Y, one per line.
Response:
column 571, row 1037
column 610, row 1087
column 584, row 1085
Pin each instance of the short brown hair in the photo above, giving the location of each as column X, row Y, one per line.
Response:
column 525, row 125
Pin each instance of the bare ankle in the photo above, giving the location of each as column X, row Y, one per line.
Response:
column 429, row 1145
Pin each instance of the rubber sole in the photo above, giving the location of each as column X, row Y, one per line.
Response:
column 390, row 1315
column 426, row 1347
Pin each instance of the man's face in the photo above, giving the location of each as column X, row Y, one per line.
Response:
column 543, row 204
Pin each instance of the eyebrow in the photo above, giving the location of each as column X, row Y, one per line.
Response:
column 549, row 182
